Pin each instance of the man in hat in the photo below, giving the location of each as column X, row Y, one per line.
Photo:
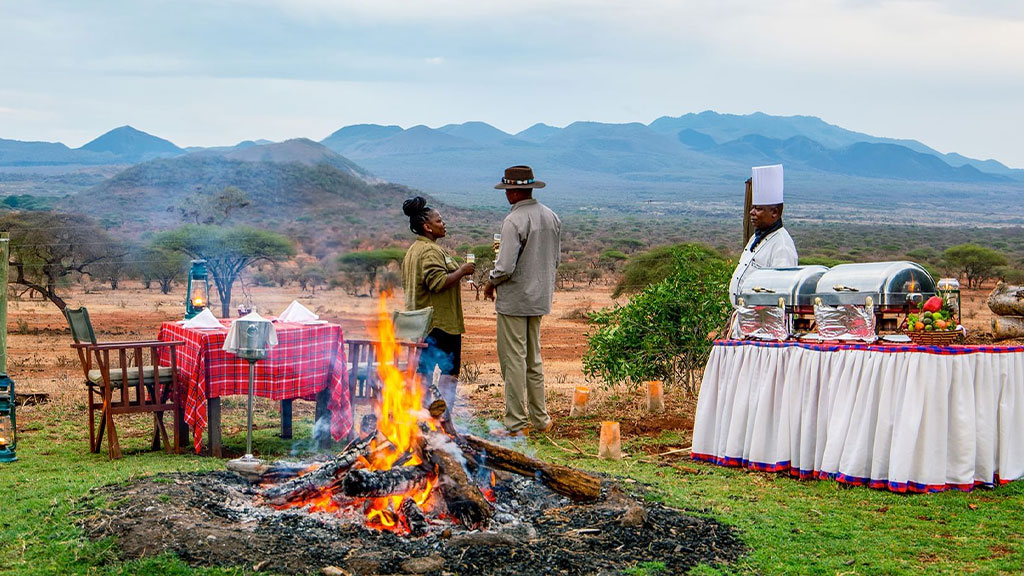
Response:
column 524, row 279
column 771, row 246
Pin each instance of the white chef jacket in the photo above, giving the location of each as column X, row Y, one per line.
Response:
column 776, row 250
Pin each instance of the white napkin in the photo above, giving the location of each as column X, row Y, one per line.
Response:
column 296, row 312
column 235, row 339
column 204, row 319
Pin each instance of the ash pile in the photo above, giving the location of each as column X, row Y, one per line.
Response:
column 220, row 519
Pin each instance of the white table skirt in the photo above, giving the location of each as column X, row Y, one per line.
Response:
column 904, row 418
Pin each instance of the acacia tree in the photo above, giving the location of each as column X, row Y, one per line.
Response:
column 227, row 252
column 48, row 250
column 115, row 267
column 363, row 267
column 976, row 263
column 163, row 265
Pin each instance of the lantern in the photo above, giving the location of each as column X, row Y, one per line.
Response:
column 8, row 422
column 949, row 290
column 198, row 297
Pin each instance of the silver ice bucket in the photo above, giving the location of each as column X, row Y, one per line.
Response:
column 254, row 339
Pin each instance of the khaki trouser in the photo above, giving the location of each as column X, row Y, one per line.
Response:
column 519, row 357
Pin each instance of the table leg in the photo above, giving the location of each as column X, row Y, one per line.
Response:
column 286, row 419
column 322, row 430
column 213, row 425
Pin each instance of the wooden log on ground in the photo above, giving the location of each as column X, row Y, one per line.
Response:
column 1008, row 327
column 378, row 483
column 1007, row 300
column 413, row 517
column 323, row 478
column 464, row 499
column 575, row 484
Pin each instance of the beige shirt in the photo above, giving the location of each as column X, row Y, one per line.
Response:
column 524, row 270
column 424, row 272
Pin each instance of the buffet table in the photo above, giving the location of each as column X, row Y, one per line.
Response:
column 905, row 418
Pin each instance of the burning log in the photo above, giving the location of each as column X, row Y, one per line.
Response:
column 377, row 483
column 439, row 408
column 323, row 478
column 575, row 484
column 462, row 496
column 415, row 521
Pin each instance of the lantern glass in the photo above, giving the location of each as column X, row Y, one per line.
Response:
column 6, row 431
column 949, row 290
column 197, row 297
column 8, row 421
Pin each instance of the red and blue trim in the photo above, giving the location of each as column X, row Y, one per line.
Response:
column 900, row 487
column 887, row 348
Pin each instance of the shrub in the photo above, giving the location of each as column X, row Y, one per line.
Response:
column 665, row 332
column 652, row 267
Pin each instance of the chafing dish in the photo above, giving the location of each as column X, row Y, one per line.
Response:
column 891, row 288
column 791, row 289
column 796, row 286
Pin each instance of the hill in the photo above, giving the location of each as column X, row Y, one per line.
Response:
column 131, row 145
column 324, row 205
column 300, row 150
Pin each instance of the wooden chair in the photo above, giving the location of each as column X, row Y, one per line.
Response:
column 410, row 331
column 111, row 371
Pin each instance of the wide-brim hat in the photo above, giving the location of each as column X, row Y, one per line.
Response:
column 519, row 177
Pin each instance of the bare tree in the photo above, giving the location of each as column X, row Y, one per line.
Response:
column 49, row 250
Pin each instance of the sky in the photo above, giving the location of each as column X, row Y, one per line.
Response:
column 948, row 73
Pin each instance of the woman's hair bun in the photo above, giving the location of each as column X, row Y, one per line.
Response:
column 414, row 206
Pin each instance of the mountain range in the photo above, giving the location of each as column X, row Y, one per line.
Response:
column 688, row 161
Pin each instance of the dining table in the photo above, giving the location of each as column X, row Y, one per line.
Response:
column 898, row 417
column 307, row 363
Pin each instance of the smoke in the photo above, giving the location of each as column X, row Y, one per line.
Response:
column 321, row 429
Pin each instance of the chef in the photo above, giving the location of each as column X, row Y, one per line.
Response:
column 771, row 246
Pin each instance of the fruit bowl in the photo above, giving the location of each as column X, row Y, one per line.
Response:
column 934, row 324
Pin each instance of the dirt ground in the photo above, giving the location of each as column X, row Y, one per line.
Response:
column 41, row 361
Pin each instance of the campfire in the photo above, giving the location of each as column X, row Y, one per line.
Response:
column 410, row 468
column 410, row 495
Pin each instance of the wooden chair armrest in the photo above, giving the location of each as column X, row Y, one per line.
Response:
column 412, row 344
column 139, row 344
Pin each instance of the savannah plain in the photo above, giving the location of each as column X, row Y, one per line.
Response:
column 42, row 362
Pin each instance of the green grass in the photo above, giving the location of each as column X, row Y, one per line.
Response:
column 791, row 526
column 823, row 527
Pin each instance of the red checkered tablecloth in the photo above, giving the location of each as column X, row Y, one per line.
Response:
column 307, row 359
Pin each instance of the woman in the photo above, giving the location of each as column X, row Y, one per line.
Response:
column 431, row 278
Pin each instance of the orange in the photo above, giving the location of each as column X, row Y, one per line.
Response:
column 919, row 326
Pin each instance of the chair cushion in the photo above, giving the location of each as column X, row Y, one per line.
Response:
column 96, row 376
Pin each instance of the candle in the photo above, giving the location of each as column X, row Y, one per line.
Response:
column 655, row 396
column 611, row 445
column 580, row 398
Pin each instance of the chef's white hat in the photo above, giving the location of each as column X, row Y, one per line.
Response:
column 767, row 185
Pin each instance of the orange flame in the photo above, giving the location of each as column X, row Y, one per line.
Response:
column 399, row 415
column 401, row 405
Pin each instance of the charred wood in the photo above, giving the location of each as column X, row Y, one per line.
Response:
column 575, row 484
column 413, row 517
column 463, row 498
column 439, row 410
column 323, row 478
column 377, row 483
